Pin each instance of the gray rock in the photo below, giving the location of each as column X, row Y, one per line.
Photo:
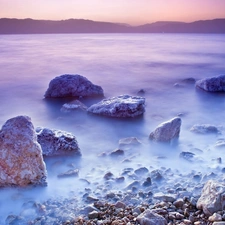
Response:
column 141, row 171
column 164, row 197
column 189, row 156
column 57, row 142
column 116, row 153
column 213, row 84
column 150, row 218
column 129, row 142
column 205, row 129
column 73, row 106
column 69, row 173
column 68, row 85
column 21, row 160
column 167, row 131
column 121, row 106
column 212, row 198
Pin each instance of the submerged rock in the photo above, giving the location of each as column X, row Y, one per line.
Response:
column 205, row 129
column 21, row 161
column 73, row 106
column 121, row 106
column 68, row 85
column 167, row 131
column 213, row 84
column 129, row 142
column 212, row 198
column 57, row 142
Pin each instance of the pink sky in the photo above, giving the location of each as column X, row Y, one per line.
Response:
column 124, row 11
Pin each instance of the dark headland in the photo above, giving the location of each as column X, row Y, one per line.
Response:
column 31, row 26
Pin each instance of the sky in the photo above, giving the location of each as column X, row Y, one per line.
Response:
column 133, row 12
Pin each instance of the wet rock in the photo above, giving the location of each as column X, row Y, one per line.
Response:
column 73, row 106
column 69, row 173
column 156, row 175
column 220, row 143
column 205, row 129
column 93, row 215
column 108, row 176
column 121, row 106
column 57, row 142
column 21, row 161
column 120, row 205
column 141, row 171
column 189, row 156
column 147, row 182
column 167, row 131
column 129, row 142
column 117, row 152
column 212, row 198
column 150, row 218
column 213, row 84
column 68, row 85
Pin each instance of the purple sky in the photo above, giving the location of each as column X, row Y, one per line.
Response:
column 125, row 11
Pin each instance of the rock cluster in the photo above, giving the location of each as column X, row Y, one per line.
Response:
column 21, row 161
column 57, row 142
column 68, row 85
column 121, row 106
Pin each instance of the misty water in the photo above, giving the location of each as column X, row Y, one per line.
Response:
column 160, row 64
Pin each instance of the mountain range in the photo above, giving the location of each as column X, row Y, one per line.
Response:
column 31, row 26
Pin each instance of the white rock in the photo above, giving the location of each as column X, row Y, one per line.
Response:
column 121, row 106
column 150, row 218
column 73, row 106
column 205, row 129
column 68, row 85
column 212, row 84
column 167, row 131
column 212, row 198
column 21, row 161
column 57, row 142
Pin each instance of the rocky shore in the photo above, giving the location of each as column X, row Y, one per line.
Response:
column 128, row 190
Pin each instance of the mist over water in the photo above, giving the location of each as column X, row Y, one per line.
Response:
column 122, row 64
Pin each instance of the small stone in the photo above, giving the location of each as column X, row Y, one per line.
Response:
column 93, row 215
column 215, row 217
column 69, row 173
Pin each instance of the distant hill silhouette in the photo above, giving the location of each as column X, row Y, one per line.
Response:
column 30, row 26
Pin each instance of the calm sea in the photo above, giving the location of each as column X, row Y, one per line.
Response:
column 161, row 64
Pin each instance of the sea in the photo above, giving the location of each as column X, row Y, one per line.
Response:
column 163, row 66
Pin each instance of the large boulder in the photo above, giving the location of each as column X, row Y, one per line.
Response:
column 21, row 160
column 149, row 217
column 213, row 84
column 167, row 131
column 121, row 106
column 57, row 142
column 72, row 86
column 212, row 198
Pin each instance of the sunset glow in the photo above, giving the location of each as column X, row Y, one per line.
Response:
column 122, row 11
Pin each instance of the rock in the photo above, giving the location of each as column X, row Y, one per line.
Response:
column 189, row 156
column 68, row 85
column 150, row 218
column 121, row 106
column 212, row 198
column 69, row 173
column 128, row 142
column 57, row 142
column 213, row 84
column 93, row 215
column 165, row 197
column 141, row 171
column 116, row 153
column 167, row 131
column 73, row 106
column 21, row 160
column 215, row 217
column 205, row 129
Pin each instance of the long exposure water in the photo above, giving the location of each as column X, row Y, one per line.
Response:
column 160, row 64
